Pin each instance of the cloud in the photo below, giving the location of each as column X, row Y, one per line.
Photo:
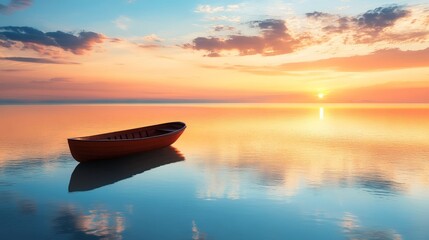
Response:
column 152, row 38
column 149, row 46
column 224, row 18
column 388, row 59
column 219, row 28
column 391, row 24
column 381, row 17
column 273, row 40
column 373, row 26
column 151, row 41
column 115, row 40
column 122, row 22
column 212, row 12
column 382, row 60
column 36, row 60
column 317, row 15
column 208, row 9
column 31, row 38
column 14, row 5
column 375, row 19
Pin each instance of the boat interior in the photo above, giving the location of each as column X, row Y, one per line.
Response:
column 151, row 131
column 139, row 134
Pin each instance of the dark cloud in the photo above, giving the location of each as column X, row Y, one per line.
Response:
column 36, row 60
column 381, row 17
column 37, row 40
column 368, row 27
column 317, row 15
column 76, row 44
column 372, row 24
column 272, row 28
column 116, row 40
column 273, row 40
column 220, row 28
column 340, row 25
column 14, row 5
column 26, row 34
column 375, row 19
column 331, row 23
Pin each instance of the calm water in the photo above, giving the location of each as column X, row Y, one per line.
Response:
column 238, row 172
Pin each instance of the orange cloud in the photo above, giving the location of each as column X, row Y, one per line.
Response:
column 388, row 59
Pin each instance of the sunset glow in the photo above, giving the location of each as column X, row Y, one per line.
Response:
column 275, row 51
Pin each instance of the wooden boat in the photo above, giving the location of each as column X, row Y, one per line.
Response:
column 126, row 142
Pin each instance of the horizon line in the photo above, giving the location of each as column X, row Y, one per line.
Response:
column 174, row 101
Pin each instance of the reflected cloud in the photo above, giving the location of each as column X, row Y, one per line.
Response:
column 377, row 185
column 98, row 224
column 196, row 234
column 217, row 186
column 27, row 206
column 92, row 175
column 353, row 230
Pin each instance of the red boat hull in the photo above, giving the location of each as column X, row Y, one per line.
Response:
column 123, row 143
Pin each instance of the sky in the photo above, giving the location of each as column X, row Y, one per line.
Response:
column 348, row 51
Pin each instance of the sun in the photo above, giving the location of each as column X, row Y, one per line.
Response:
column 321, row 95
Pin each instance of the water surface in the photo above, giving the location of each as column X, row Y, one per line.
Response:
column 238, row 172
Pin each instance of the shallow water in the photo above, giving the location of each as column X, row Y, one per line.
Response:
column 237, row 172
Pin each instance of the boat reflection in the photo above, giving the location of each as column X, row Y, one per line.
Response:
column 92, row 175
